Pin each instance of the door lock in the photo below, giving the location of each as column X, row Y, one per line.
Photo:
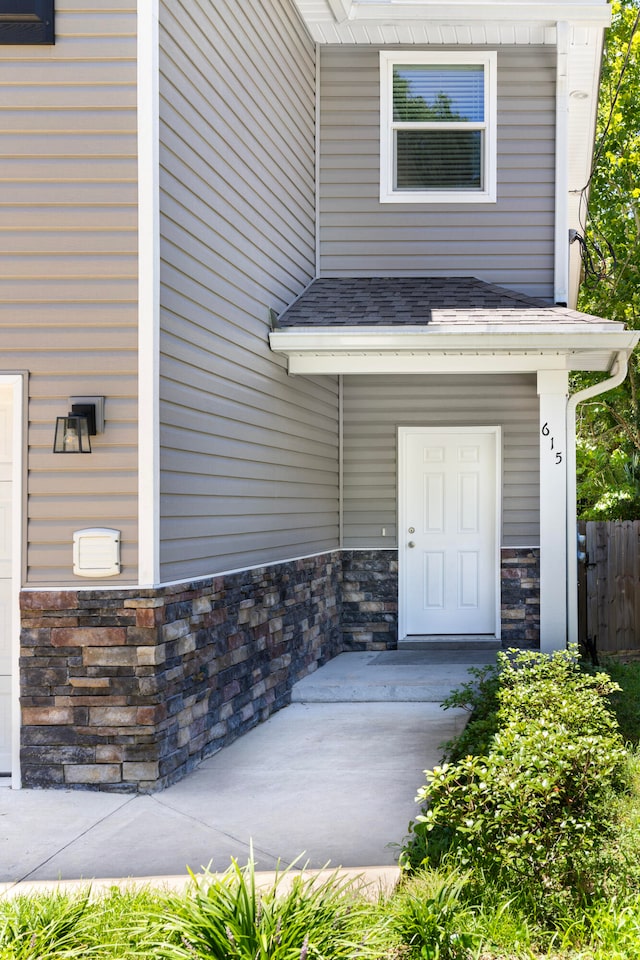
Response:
column 412, row 529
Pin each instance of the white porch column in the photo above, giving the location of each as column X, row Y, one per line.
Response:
column 553, row 388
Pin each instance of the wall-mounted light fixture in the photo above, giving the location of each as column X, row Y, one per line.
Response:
column 85, row 419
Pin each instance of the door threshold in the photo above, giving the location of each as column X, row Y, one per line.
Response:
column 464, row 641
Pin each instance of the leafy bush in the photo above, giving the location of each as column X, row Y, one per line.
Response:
column 479, row 696
column 534, row 685
column 533, row 812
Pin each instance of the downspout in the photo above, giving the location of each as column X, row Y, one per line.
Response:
column 619, row 366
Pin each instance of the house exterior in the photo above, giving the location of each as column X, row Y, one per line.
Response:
column 312, row 259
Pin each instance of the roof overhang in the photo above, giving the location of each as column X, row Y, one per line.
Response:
column 454, row 348
column 373, row 21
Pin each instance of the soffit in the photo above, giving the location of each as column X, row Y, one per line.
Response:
column 393, row 22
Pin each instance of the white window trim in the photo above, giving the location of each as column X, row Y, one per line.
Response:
column 388, row 58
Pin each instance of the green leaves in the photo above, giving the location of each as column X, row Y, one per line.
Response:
column 533, row 811
column 297, row 918
column 609, row 429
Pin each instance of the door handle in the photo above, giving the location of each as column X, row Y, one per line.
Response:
column 411, row 543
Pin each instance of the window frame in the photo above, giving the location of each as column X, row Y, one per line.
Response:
column 27, row 22
column 390, row 58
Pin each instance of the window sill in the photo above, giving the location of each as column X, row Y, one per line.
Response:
column 441, row 196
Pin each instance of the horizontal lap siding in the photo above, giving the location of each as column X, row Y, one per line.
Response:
column 68, row 271
column 509, row 242
column 374, row 408
column 249, row 469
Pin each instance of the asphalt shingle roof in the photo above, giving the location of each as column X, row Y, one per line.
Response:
column 392, row 301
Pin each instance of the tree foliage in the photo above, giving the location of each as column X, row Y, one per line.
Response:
column 609, row 426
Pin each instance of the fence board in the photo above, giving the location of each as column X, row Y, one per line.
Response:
column 609, row 605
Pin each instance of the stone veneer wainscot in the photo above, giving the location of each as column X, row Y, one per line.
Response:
column 128, row 690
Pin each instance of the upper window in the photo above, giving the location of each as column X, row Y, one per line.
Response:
column 26, row 21
column 438, row 127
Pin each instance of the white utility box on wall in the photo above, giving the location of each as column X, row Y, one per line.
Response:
column 96, row 552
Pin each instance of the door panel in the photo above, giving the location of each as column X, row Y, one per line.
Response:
column 448, row 547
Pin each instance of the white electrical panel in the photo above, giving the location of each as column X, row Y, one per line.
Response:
column 96, row 552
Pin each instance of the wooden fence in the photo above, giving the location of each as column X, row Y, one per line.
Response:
column 609, row 587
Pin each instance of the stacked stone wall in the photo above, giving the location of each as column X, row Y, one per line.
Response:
column 520, row 596
column 129, row 690
column 370, row 599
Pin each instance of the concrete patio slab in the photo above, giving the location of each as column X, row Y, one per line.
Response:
column 326, row 782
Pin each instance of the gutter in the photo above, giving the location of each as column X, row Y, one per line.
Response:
column 620, row 367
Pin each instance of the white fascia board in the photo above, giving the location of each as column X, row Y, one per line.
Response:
column 326, row 350
column 510, row 10
column 458, row 336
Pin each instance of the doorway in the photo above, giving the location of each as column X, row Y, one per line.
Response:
column 449, row 509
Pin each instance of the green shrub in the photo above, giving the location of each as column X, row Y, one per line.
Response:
column 479, row 696
column 533, row 812
column 534, row 685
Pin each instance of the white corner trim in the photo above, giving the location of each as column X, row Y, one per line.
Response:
column 17, row 383
column 148, row 294
column 316, row 196
column 561, row 242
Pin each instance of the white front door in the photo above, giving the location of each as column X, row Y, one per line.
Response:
column 447, row 536
column 6, row 468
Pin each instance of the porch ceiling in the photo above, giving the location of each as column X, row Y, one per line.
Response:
column 439, row 325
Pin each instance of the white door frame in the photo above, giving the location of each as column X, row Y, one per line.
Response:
column 16, row 381
column 403, row 433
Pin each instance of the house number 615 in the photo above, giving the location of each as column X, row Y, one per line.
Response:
column 547, row 433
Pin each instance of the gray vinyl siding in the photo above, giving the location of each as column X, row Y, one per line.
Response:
column 249, row 456
column 68, row 272
column 509, row 242
column 374, row 408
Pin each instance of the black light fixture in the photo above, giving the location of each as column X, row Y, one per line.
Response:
column 85, row 419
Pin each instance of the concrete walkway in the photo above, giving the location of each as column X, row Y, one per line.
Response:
column 331, row 779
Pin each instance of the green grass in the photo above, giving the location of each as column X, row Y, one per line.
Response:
column 50, row 926
column 626, row 703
